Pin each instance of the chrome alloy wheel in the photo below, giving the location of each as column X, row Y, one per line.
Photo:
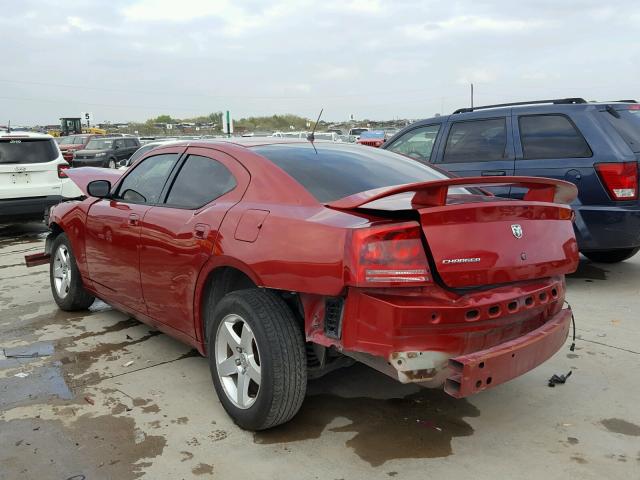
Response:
column 62, row 271
column 238, row 361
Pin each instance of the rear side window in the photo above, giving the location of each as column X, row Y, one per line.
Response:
column 119, row 143
column 146, row 181
column 23, row 151
column 130, row 142
column 551, row 136
column 337, row 172
column 476, row 141
column 199, row 181
column 627, row 124
column 417, row 143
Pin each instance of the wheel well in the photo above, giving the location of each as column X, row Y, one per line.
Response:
column 220, row 282
column 224, row 280
column 55, row 231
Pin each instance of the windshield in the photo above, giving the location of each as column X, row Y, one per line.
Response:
column 100, row 144
column 27, row 150
column 372, row 134
column 337, row 172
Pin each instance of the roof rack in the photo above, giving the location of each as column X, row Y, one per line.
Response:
column 557, row 101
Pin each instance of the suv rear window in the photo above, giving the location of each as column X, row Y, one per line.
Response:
column 337, row 172
column 27, row 150
column 551, row 136
column 628, row 126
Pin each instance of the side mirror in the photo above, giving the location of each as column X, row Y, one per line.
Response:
column 99, row 188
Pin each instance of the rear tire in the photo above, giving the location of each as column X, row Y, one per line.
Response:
column 611, row 256
column 253, row 335
column 66, row 282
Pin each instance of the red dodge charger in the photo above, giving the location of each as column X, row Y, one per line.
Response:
column 280, row 261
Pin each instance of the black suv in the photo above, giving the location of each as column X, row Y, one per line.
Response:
column 595, row 145
column 108, row 152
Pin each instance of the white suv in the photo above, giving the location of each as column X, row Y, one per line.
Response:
column 32, row 175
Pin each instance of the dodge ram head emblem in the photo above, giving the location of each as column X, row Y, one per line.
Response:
column 516, row 230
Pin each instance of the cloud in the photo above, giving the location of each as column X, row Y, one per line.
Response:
column 472, row 24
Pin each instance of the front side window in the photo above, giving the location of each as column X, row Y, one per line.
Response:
column 130, row 142
column 417, row 143
column 476, row 141
column 119, row 143
column 551, row 136
column 145, row 182
column 200, row 181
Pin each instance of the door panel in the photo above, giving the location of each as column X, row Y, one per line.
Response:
column 112, row 238
column 476, row 146
column 176, row 242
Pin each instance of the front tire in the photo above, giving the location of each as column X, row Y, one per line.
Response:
column 611, row 256
column 257, row 358
column 66, row 282
column 112, row 163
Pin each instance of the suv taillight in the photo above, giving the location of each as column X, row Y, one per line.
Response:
column 620, row 179
column 61, row 170
column 389, row 255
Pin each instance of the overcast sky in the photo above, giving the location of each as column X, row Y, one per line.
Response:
column 134, row 59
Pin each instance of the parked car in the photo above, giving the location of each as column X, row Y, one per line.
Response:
column 356, row 132
column 106, row 152
column 144, row 149
column 277, row 259
column 373, row 138
column 72, row 143
column 32, row 174
column 596, row 146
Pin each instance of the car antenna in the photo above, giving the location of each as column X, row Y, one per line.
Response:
column 311, row 137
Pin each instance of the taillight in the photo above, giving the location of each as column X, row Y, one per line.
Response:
column 633, row 107
column 620, row 179
column 61, row 170
column 389, row 255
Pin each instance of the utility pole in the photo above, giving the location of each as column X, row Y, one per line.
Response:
column 472, row 95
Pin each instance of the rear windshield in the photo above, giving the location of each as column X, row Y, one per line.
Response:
column 337, row 172
column 628, row 126
column 99, row 144
column 27, row 150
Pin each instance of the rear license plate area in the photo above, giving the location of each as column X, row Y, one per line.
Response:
column 20, row 178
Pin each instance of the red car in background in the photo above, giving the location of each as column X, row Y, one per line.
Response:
column 374, row 138
column 72, row 143
column 277, row 259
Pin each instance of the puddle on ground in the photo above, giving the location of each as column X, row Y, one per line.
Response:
column 617, row 425
column 420, row 425
column 589, row 271
column 97, row 447
column 39, row 386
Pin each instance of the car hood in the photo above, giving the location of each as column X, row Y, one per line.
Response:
column 84, row 175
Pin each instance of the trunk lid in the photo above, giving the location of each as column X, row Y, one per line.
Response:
column 475, row 240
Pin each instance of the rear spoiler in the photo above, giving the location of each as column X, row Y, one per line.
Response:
column 434, row 193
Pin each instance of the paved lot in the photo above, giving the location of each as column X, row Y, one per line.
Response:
column 110, row 398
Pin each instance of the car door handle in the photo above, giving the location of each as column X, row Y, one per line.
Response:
column 201, row 230
column 493, row 173
column 133, row 219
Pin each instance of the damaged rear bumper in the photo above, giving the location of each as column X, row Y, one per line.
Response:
column 485, row 369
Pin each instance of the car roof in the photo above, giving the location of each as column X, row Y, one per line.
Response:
column 15, row 133
column 487, row 111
